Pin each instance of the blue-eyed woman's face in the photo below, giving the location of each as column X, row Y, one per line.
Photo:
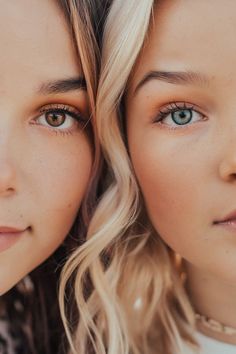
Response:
column 45, row 155
column 181, row 126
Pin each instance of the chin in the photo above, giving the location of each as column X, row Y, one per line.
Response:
column 8, row 280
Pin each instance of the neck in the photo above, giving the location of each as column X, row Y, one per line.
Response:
column 214, row 298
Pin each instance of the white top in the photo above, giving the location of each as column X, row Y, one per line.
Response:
column 211, row 346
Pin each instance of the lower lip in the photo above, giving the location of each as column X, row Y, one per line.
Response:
column 8, row 239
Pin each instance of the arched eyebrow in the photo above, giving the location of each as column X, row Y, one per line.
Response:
column 62, row 86
column 173, row 77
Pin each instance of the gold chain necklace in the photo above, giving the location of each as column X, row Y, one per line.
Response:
column 214, row 325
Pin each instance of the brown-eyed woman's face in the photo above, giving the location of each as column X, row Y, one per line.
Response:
column 181, row 127
column 45, row 156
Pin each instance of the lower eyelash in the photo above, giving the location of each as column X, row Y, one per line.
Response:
column 60, row 131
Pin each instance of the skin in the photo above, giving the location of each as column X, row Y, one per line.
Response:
column 187, row 173
column 44, row 169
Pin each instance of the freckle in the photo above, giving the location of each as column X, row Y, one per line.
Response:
column 69, row 205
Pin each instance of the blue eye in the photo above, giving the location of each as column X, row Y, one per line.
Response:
column 182, row 117
column 176, row 115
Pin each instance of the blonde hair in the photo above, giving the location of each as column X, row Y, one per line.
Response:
column 128, row 292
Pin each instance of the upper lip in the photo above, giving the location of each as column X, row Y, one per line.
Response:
column 230, row 217
column 9, row 229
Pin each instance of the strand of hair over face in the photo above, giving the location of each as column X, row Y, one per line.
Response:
column 128, row 295
column 85, row 20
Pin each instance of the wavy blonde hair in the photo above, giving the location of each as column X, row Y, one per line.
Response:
column 127, row 287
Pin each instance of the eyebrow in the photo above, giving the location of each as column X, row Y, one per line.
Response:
column 62, row 86
column 173, row 77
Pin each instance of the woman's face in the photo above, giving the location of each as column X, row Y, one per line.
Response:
column 45, row 155
column 181, row 127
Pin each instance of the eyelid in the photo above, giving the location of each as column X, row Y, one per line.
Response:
column 75, row 112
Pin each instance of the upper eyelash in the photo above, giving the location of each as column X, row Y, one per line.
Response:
column 77, row 116
column 60, row 108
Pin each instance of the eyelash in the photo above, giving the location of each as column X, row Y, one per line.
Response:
column 175, row 107
column 57, row 109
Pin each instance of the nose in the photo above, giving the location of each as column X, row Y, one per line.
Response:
column 10, row 152
column 7, row 173
column 227, row 166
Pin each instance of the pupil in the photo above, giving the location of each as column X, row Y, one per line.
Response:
column 55, row 119
column 182, row 115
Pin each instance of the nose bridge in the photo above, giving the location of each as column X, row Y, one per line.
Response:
column 8, row 151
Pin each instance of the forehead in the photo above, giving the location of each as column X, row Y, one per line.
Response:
column 35, row 42
column 187, row 35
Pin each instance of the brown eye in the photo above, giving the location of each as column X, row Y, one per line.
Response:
column 55, row 119
column 65, row 119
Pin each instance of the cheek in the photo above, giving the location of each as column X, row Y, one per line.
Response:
column 59, row 182
column 67, row 180
column 170, row 185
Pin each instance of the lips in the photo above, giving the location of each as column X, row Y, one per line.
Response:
column 228, row 219
column 10, row 230
column 11, row 235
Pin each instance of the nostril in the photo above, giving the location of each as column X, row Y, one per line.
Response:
column 6, row 191
column 232, row 177
column 227, row 170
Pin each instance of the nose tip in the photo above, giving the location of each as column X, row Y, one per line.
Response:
column 227, row 168
column 7, row 178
